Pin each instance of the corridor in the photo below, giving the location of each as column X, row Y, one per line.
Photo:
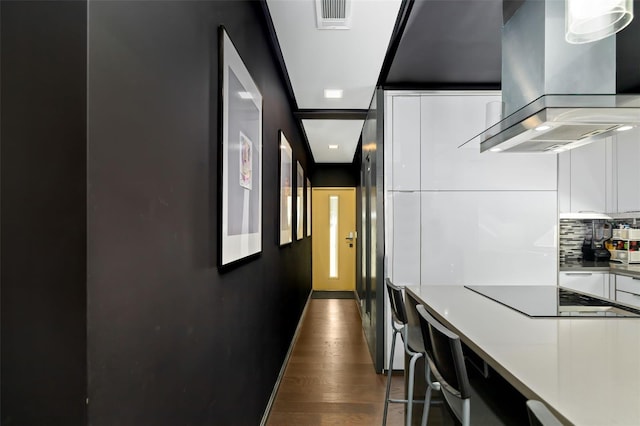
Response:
column 330, row 379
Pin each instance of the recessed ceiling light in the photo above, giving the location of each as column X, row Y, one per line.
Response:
column 245, row 95
column 333, row 146
column 542, row 128
column 624, row 128
column 333, row 93
column 496, row 149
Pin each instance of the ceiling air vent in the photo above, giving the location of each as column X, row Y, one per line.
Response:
column 333, row 14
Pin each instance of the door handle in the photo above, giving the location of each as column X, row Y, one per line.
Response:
column 350, row 238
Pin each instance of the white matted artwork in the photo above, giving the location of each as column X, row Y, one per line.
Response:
column 240, row 157
column 308, row 208
column 299, row 202
column 286, row 190
column 246, row 161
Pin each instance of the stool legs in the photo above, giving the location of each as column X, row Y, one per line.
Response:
column 390, row 370
column 427, row 395
column 412, row 364
column 411, row 373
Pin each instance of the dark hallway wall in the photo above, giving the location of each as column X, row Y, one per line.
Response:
column 171, row 339
column 43, row 227
column 336, row 175
column 109, row 219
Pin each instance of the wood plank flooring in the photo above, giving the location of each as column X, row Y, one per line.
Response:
column 330, row 379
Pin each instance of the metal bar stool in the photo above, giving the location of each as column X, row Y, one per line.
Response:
column 446, row 362
column 413, row 347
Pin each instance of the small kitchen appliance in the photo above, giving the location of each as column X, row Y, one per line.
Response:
column 593, row 247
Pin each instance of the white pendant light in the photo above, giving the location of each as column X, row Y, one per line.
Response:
column 592, row 20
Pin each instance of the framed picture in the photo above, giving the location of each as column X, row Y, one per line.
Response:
column 299, row 202
column 286, row 190
column 308, row 208
column 240, row 156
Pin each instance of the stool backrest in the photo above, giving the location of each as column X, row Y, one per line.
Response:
column 398, row 310
column 446, row 354
column 426, row 334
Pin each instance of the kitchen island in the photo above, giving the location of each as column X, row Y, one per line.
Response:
column 586, row 370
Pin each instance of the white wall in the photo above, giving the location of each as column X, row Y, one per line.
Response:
column 455, row 216
column 488, row 237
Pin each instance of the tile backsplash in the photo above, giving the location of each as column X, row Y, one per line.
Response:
column 572, row 233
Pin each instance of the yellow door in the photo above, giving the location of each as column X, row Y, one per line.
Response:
column 334, row 239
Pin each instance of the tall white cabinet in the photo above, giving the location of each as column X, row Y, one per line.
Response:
column 405, row 155
column 586, row 178
column 627, row 171
column 455, row 216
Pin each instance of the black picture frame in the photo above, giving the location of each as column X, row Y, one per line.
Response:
column 239, row 156
column 286, row 190
column 308, row 207
column 299, row 201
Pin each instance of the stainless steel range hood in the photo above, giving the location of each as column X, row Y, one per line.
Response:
column 556, row 95
column 555, row 123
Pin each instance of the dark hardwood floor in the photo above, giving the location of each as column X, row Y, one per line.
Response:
column 330, row 379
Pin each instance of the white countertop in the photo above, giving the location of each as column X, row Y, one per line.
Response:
column 586, row 370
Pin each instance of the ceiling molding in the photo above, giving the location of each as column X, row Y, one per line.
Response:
column 331, row 114
column 278, row 54
column 396, row 36
column 443, row 86
column 284, row 74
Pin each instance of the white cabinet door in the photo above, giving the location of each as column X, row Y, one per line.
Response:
column 489, row 237
column 628, row 290
column 627, row 284
column 447, row 122
column 405, row 244
column 589, row 178
column 586, row 282
column 406, row 143
column 403, row 248
column 628, row 170
column 628, row 298
column 564, row 182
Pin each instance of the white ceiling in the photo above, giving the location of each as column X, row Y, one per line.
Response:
column 344, row 133
column 333, row 59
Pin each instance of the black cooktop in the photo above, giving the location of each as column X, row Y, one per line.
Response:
column 544, row 301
